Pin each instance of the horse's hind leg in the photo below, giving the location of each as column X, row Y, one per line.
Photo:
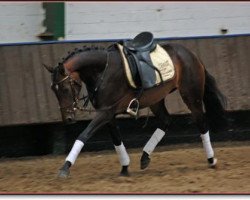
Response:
column 193, row 99
column 160, row 111
column 119, row 147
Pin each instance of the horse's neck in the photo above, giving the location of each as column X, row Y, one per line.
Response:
column 88, row 64
column 92, row 65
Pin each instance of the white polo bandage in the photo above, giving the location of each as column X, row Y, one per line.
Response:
column 122, row 154
column 153, row 141
column 76, row 149
column 207, row 145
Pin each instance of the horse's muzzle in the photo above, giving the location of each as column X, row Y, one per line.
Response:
column 68, row 118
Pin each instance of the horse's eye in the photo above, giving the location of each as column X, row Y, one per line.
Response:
column 54, row 86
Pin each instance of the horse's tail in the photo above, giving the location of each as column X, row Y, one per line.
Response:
column 214, row 102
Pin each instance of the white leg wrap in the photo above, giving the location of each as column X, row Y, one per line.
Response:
column 153, row 141
column 207, row 145
column 123, row 155
column 76, row 149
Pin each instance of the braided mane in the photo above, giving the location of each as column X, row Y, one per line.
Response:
column 80, row 50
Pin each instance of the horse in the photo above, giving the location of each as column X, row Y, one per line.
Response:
column 102, row 72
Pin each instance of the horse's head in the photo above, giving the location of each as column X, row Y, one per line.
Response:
column 66, row 88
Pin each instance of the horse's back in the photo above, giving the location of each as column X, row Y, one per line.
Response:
column 178, row 49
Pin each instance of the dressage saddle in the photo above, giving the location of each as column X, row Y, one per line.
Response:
column 137, row 52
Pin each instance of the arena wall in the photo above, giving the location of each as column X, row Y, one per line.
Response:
column 26, row 97
column 21, row 22
column 24, row 21
column 30, row 121
column 115, row 20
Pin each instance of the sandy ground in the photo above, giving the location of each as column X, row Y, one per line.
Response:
column 173, row 169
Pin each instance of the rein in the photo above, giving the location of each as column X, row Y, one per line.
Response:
column 100, row 80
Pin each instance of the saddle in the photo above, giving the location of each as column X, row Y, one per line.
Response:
column 146, row 64
column 138, row 52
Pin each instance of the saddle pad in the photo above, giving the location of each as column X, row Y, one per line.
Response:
column 160, row 59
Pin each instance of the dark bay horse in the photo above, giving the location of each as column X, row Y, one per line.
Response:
column 102, row 72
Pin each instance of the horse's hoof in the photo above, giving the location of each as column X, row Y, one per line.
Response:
column 63, row 173
column 125, row 174
column 212, row 164
column 124, row 171
column 145, row 162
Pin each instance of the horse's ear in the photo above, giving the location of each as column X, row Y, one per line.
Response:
column 50, row 69
column 61, row 68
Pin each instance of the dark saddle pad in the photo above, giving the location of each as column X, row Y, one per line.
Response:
column 137, row 52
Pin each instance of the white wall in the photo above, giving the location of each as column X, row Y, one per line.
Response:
column 21, row 22
column 112, row 20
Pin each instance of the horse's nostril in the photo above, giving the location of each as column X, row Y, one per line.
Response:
column 69, row 119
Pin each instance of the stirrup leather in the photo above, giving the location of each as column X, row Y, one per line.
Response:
column 131, row 109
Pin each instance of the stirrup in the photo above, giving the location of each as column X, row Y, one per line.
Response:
column 133, row 110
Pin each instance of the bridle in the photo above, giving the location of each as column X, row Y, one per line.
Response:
column 75, row 97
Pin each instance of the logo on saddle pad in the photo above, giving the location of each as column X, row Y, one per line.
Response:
column 150, row 77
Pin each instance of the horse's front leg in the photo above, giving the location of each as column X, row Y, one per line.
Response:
column 101, row 119
column 119, row 147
